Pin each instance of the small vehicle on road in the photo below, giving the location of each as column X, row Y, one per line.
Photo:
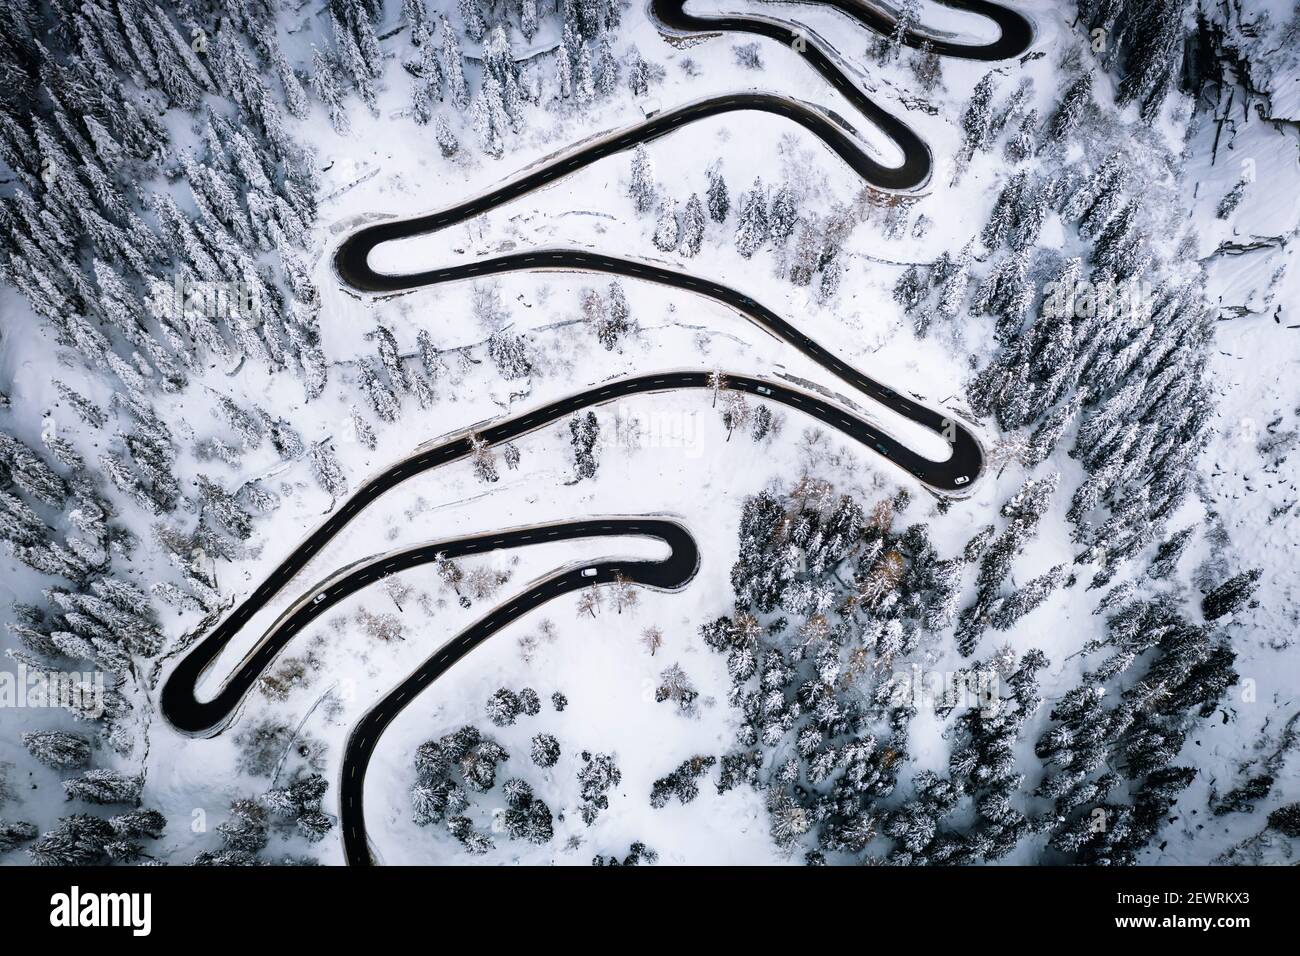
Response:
column 588, row 572
column 960, row 480
column 318, row 598
column 763, row 390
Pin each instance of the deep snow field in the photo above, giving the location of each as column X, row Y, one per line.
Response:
column 670, row 453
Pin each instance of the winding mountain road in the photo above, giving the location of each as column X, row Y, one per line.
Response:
column 179, row 700
column 1015, row 32
column 352, row 257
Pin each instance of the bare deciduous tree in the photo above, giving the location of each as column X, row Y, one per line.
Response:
column 653, row 639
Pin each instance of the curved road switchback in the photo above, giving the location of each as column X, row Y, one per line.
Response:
column 1015, row 31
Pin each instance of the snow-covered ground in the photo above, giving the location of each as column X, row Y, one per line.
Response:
column 599, row 664
column 678, row 460
column 1248, row 474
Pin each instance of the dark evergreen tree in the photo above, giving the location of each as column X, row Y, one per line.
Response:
column 1230, row 595
column 584, row 432
column 545, row 750
column 719, row 201
column 1074, row 100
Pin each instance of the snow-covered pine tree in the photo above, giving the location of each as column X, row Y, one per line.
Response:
column 382, row 398
column 104, row 786
column 906, row 17
column 584, row 434
column 390, row 356
column 528, row 18
column 910, row 289
column 324, row 83
column 952, row 288
column 752, row 230
column 807, row 251
column 1230, row 595
column 584, row 84
column 829, row 285
column 15, row 832
column 666, row 232
column 448, row 145
column 607, row 72
column 415, row 15
column 719, row 201
column 482, row 460
column 1168, row 553
column 58, row 749
column 692, row 227
column 473, row 18
column 509, row 353
column 1020, row 145
column 77, row 840
column 1155, row 56
column 642, row 187
column 1003, row 215
column 453, row 67
column 326, row 469
column 353, row 60
column 638, row 73
column 499, row 63
column 614, row 320
column 545, row 750
column 783, row 214
column 1074, row 100
column 426, row 86
column 1232, row 199
column 487, row 114
column 978, row 117
column 563, row 73
column 361, row 428
column 1010, row 609
column 927, row 67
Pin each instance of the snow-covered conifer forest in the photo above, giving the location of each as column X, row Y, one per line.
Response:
column 585, row 432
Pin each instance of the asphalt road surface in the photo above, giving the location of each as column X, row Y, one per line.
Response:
column 179, row 702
